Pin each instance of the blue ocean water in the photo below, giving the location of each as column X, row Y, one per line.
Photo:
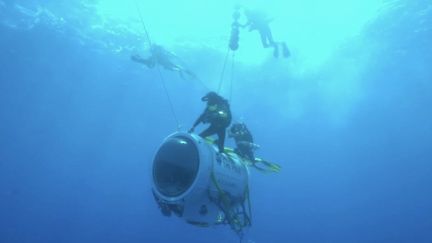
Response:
column 347, row 116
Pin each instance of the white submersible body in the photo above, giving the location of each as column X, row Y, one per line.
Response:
column 200, row 185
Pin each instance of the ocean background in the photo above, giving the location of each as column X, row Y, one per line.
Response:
column 348, row 116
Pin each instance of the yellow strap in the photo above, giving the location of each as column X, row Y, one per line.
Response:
column 232, row 217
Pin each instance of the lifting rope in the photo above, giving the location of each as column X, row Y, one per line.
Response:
column 231, row 77
column 161, row 77
column 232, row 46
column 143, row 23
column 223, row 71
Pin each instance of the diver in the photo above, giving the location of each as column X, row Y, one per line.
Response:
column 245, row 148
column 245, row 145
column 218, row 114
column 257, row 20
column 160, row 56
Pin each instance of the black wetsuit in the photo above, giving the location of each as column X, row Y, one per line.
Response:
column 219, row 119
column 244, row 141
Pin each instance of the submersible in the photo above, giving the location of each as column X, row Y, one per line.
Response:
column 192, row 180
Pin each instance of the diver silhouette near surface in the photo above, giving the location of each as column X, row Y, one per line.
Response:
column 162, row 57
column 259, row 21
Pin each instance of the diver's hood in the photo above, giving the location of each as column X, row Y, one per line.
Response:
column 210, row 96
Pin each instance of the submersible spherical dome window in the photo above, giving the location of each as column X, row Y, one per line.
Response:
column 175, row 166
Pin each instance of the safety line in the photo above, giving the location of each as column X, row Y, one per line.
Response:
column 223, row 71
column 143, row 23
column 232, row 77
column 161, row 77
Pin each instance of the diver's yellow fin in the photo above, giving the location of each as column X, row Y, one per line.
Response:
column 266, row 166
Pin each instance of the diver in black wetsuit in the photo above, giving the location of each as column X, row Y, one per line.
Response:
column 245, row 147
column 218, row 114
column 244, row 141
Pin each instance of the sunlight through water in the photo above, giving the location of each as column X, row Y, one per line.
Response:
column 313, row 29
